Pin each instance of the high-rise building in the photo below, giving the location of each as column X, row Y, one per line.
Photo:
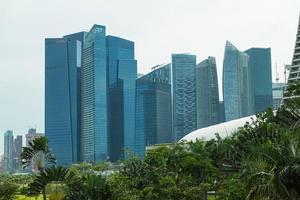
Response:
column 183, row 78
column 153, row 107
column 278, row 92
column 31, row 135
column 237, row 95
column 295, row 67
column 207, row 93
column 62, row 65
column 122, row 74
column 221, row 111
column 8, row 150
column 90, row 96
column 18, row 144
column 261, row 77
column 94, row 96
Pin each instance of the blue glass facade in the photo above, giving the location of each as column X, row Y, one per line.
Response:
column 236, row 84
column 183, row 94
column 94, row 112
column 122, row 73
column 62, row 65
column 207, row 93
column 261, row 77
column 153, row 107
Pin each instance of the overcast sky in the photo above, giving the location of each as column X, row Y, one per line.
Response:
column 158, row 28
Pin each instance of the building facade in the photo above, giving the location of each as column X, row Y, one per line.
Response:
column 184, row 100
column 90, row 96
column 238, row 100
column 8, row 150
column 295, row 67
column 122, row 74
column 278, row 92
column 18, row 144
column 207, row 93
column 62, row 65
column 261, row 78
column 153, row 106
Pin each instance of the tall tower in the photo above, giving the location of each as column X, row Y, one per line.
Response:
column 236, row 84
column 8, row 150
column 207, row 93
column 184, row 99
column 261, row 78
column 295, row 67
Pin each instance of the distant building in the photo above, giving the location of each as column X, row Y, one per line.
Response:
column 238, row 101
column 31, row 135
column 207, row 93
column 261, row 78
column 184, row 100
column 153, row 107
column 18, row 144
column 8, row 150
column 278, row 91
column 295, row 67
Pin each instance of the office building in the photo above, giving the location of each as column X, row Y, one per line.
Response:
column 238, row 100
column 261, row 78
column 184, row 108
column 18, row 144
column 153, row 106
column 221, row 111
column 207, row 93
column 8, row 150
column 295, row 67
column 31, row 135
column 122, row 74
column 90, row 96
column 62, row 65
column 278, row 91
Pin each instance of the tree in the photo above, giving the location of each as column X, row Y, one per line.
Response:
column 7, row 190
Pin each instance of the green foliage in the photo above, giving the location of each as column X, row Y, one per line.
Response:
column 7, row 190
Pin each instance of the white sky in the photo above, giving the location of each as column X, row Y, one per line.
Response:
column 158, row 28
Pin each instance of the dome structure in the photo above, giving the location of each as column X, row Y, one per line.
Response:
column 224, row 129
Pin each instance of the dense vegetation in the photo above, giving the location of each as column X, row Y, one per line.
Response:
column 259, row 161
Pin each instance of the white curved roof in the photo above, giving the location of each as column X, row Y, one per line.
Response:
column 223, row 129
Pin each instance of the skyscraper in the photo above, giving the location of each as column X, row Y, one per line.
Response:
column 236, row 84
column 90, row 96
column 122, row 74
column 184, row 99
column 8, row 150
column 295, row 67
column 207, row 93
column 153, row 106
column 62, row 65
column 261, row 77
column 18, row 144
column 278, row 91
column 94, row 119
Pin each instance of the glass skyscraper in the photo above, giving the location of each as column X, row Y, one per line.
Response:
column 62, row 87
column 278, row 92
column 261, row 77
column 183, row 78
column 208, row 107
column 237, row 95
column 8, row 150
column 122, row 74
column 90, row 96
column 153, row 106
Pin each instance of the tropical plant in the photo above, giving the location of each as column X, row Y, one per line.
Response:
column 8, row 190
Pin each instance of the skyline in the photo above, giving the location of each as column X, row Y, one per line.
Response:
column 154, row 31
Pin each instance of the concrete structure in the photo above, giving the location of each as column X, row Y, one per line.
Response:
column 295, row 67
column 184, row 100
column 208, row 108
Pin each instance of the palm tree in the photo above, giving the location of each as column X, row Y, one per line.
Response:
column 38, row 153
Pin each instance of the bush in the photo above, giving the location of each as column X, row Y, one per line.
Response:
column 7, row 190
